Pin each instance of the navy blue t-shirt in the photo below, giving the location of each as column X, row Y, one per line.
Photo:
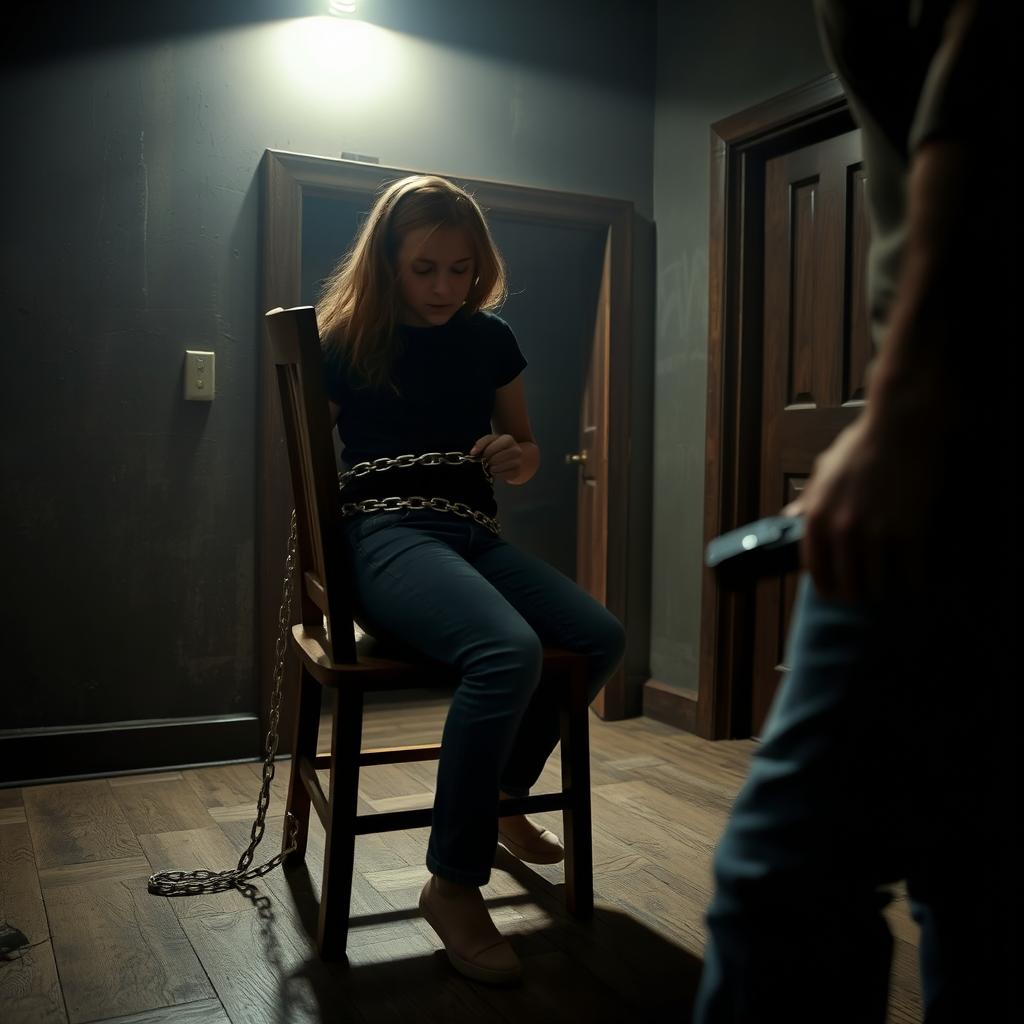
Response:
column 447, row 377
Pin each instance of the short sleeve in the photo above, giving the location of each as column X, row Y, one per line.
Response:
column 509, row 360
column 335, row 378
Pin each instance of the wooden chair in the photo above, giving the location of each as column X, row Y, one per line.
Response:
column 325, row 644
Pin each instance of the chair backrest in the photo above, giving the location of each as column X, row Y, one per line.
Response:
column 323, row 571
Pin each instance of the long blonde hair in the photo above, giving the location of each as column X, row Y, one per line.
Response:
column 360, row 303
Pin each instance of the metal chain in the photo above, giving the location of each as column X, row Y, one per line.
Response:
column 407, row 461
column 416, row 502
column 195, row 883
column 459, row 508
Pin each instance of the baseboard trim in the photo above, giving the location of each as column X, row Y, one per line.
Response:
column 670, row 705
column 60, row 753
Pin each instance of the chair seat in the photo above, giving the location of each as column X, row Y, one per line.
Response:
column 385, row 664
column 374, row 670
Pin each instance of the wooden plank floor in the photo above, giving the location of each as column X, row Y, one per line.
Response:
column 74, row 859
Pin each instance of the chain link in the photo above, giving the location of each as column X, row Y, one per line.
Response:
column 459, row 508
column 195, row 883
column 407, row 461
column 416, row 502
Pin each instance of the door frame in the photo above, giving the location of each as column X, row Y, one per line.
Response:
column 286, row 178
column 741, row 145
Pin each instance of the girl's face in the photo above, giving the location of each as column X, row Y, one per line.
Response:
column 435, row 272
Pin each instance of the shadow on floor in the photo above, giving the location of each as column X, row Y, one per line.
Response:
column 612, row 968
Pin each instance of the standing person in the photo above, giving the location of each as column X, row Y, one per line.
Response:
column 416, row 363
column 886, row 754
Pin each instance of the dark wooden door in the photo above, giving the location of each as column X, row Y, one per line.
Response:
column 817, row 347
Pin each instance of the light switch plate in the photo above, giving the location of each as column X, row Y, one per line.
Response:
column 199, row 376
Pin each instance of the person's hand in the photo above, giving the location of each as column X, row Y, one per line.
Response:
column 883, row 504
column 501, row 454
column 872, row 500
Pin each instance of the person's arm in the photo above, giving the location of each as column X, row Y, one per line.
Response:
column 876, row 487
column 924, row 344
column 333, row 411
column 951, row 201
column 511, row 452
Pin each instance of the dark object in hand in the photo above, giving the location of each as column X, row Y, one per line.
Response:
column 765, row 547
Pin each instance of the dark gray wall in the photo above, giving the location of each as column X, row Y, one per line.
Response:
column 714, row 59
column 131, row 233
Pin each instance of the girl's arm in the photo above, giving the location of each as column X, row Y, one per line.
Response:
column 511, row 451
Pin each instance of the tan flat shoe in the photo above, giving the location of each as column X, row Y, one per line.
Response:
column 545, row 848
column 474, row 946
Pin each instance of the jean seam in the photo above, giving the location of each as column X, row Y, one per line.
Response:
column 373, row 563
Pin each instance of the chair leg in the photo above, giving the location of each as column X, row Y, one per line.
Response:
column 339, row 850
column 579, row 854
column 304, row 736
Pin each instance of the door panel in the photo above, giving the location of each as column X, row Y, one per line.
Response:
column 592, row 471
column 555, row 276
column 817, row 347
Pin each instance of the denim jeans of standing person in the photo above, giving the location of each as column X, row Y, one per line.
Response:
column 453, row 591
column 885, row 757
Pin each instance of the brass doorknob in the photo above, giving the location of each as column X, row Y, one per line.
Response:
column 577, row 457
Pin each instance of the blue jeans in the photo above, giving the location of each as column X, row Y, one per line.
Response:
column 455, row 592
column 880, row 761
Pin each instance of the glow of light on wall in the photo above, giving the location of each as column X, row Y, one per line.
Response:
column 342, row 7
column 339, row 58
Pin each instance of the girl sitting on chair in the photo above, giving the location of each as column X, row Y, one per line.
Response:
column 416, row 363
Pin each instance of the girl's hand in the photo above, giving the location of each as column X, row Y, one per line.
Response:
column 501, row 454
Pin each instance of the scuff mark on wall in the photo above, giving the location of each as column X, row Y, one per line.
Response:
column 682, row 295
